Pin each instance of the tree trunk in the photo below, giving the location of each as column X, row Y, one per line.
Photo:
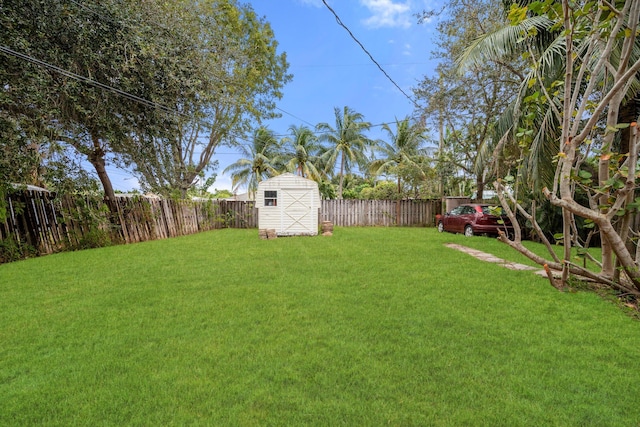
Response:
column 606, row 229
column 567, row 218
column 96, row 157
column 186, row 182
column 398, row 202
column 608, row 264
column 479, row 187
column 341, row 175
column 628, row 113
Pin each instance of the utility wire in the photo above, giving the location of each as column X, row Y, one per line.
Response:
column 130, row 96
column 161, row 107
column 357, row 65
column 68, row 73
column 339, row 21
column 89, row 81
column 295, row 117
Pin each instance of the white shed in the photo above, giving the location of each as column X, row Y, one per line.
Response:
column 289, row 204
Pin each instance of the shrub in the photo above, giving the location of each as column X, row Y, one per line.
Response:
column 13, row 250
column 95, row 238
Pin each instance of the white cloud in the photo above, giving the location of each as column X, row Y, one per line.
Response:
column 407, row 50
column 387, row 13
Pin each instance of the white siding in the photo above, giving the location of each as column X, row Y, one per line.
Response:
column 296, row 211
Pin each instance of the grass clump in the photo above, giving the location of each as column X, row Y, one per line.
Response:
column 371, row 326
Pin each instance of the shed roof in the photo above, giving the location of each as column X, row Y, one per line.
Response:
column 288, row 179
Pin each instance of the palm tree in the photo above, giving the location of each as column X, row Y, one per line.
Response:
column 303, row 153
column 546, row 49
column 538, row 169
column 404, row 149
column 259, row 161
column 347, row 142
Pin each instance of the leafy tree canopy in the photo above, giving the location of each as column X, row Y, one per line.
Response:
column 153, row 85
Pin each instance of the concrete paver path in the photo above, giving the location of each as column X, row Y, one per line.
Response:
column 491, row 258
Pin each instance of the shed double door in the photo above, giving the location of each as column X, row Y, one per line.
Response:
column 297, row 215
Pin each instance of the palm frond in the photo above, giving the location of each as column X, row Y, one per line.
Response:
column 506, row 41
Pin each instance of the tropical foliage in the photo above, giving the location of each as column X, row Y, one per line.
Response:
column 404, row 151
column 157, row 88
column 315, row 154
column 260, row 160
column 584, row 62
column 347, row 142
column 302, row 153
column 465, row 104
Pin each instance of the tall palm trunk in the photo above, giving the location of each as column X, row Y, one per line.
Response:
column 398, row 201
column 341, row 175
column 480, row 187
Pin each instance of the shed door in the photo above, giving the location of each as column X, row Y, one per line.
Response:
column 297, row 211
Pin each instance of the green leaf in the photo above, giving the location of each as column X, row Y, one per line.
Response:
column 587, row 7
column 517, row 14
column 633, row 206
column 536, row 7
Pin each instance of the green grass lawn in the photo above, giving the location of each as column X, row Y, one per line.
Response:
column 372, row 326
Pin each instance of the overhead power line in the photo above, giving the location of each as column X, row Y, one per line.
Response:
column 295, row 117
column 130, row 96
column 89, row 81
column 102, row 86
column 358, row 65
column 339, row 21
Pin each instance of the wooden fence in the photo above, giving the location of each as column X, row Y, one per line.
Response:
column 349, row 213
column 142, row 219
column 40, row 223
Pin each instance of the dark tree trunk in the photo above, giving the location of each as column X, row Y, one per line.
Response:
column 480, row 188
column 96, row 157
column 628, row 113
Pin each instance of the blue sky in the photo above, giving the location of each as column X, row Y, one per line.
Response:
column 330, row 69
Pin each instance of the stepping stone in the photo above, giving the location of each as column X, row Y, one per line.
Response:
column 491, row 258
